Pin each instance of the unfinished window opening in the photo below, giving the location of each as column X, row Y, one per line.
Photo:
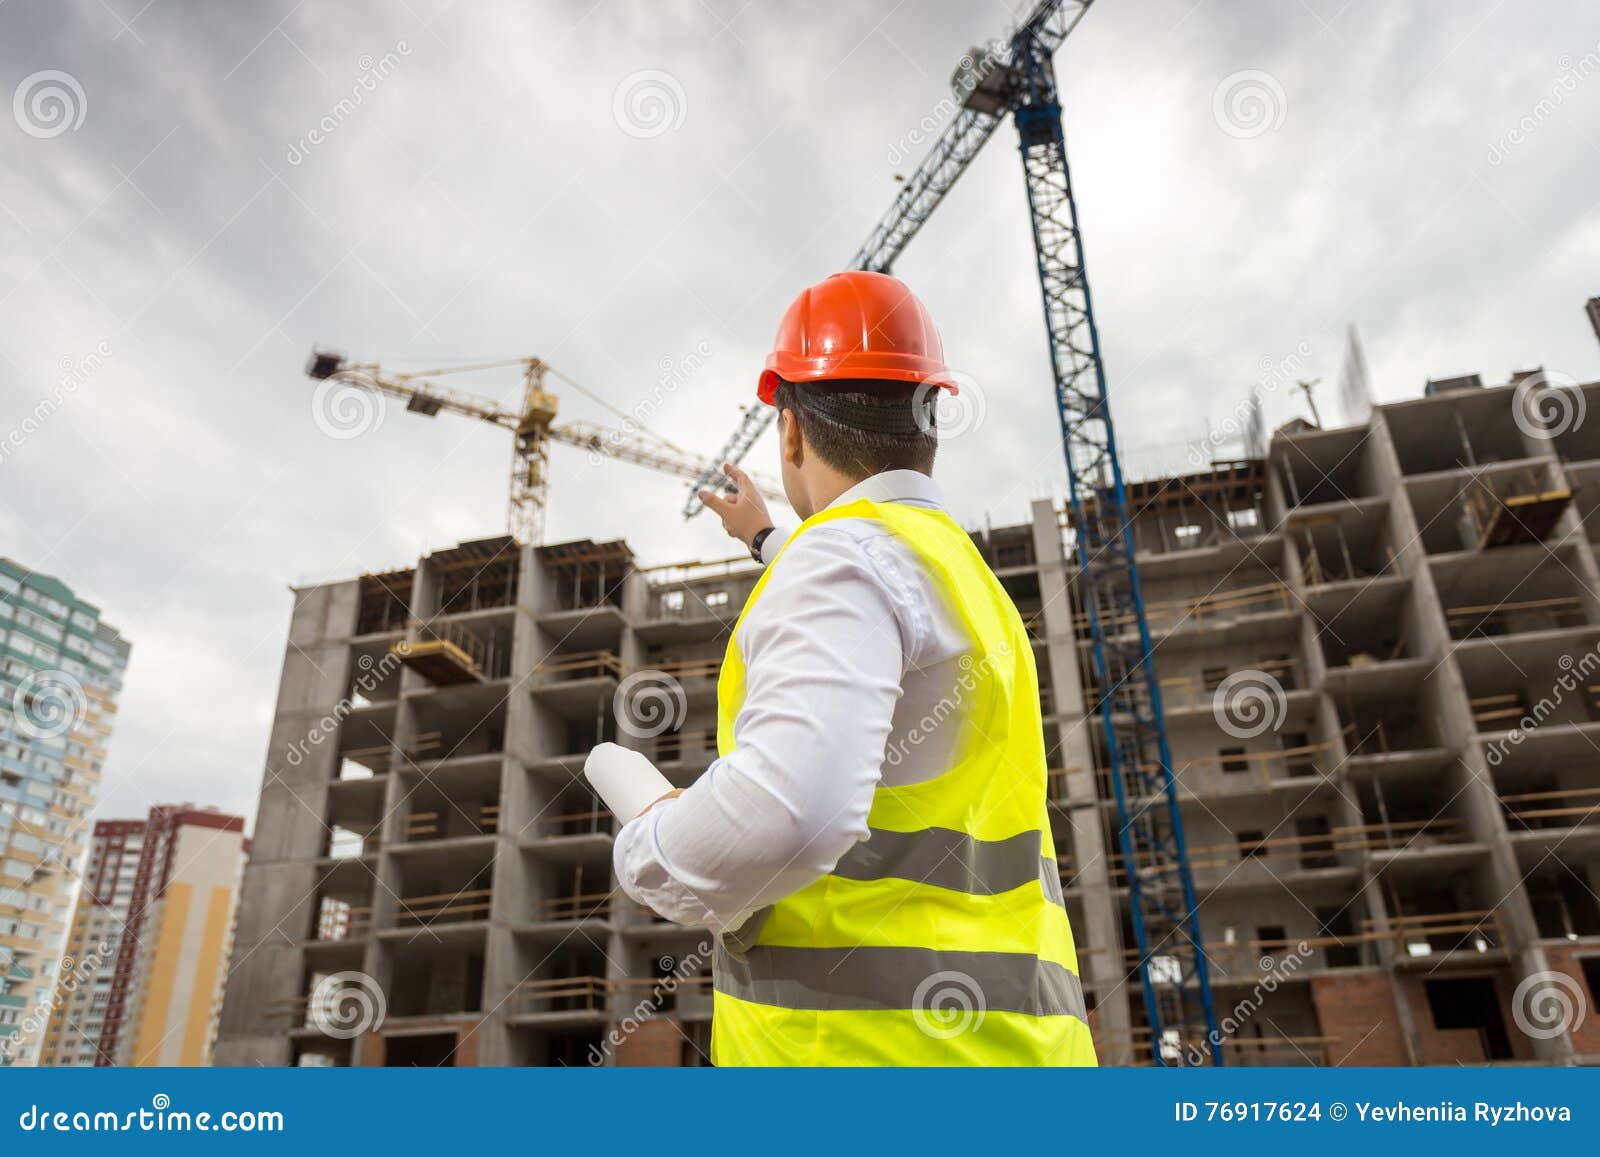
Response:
column 1316, row 842
column 1300, row 754
column 1214, row 677
column 1320, row 466
column 1564, row 907
column 438, row 981
column 1338, row 924
column 696, row 1050
column 1271, row 937
column 1233, row 759
column 453, row 894
column 344, row 844
column 577, row 894
column 577, row 812
column 584, row 575
column 1346, row 544
column 1005, row 549
column 385, row 602
column 1590, row 966
column 1252, row 843
column 717, row 599
column 1378, row 725
column 343, row 919
column 476, row 576
column 420, row 1050
column 1470, row 1003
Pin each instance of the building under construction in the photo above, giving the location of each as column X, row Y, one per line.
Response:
column 1377, row 650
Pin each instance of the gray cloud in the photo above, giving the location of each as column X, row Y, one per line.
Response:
column 479, row 200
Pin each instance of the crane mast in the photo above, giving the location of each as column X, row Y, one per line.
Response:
column 1017, row 76
column 1173, row 969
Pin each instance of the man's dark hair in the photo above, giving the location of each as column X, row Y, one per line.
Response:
column 864, row 427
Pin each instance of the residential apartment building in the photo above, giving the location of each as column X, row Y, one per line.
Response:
column 105, row 900
column 61, row 672
column 1396, row 857
column 150, row 940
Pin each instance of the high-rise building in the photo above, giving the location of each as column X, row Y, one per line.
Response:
column 1378, row 649
column 61, row 672
column 105, row 900
column 150, row 939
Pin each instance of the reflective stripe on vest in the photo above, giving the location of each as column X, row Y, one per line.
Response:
column 889, row 978
column 943, row 937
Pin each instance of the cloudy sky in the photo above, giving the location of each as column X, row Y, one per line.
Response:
column 192, row 195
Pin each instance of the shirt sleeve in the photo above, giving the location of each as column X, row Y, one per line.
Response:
column 774, row 543
column 824, row 656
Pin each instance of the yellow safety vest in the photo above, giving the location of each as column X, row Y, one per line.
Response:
column 942, row 939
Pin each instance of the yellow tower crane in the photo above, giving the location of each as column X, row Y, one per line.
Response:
column 532, row 428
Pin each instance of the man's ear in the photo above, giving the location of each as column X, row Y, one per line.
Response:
column 790, row 442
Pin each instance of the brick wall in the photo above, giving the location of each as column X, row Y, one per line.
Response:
column 1449, row 1046
column 1586, row 1033
column 1358, row 1009
column 656, row 1042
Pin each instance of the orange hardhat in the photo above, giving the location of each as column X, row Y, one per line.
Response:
column 855, row 325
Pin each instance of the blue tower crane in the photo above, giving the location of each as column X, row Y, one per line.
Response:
column 1016, row 76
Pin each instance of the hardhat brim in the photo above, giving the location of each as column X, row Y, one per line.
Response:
column 851, row 368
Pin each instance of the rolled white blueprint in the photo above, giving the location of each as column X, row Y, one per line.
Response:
column 624, row 779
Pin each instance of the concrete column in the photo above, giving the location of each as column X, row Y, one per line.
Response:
column 1102, row 929
column 277, row 907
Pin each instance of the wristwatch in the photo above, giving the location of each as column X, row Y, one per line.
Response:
column 758, row 542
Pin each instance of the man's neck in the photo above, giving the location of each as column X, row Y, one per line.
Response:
column 827, row 489
column 824, row 490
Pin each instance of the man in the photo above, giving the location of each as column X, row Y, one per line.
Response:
column 872, row 845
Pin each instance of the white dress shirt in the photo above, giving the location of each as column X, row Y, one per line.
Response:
column 848, row 654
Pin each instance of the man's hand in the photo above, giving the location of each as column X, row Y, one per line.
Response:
column 673, row 794
column 744, row 512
